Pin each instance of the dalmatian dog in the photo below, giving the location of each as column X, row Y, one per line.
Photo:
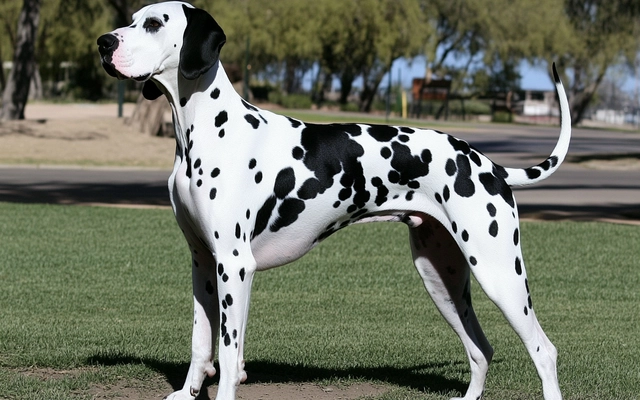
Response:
column 252, row 190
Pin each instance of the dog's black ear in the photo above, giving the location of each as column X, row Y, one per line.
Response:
column 203, row 38
column 150, row 91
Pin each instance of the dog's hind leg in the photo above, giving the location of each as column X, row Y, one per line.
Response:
column 497, row 264
column 445, row 273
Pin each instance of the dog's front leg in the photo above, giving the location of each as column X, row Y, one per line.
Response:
column 205, row 324
column 235, row 274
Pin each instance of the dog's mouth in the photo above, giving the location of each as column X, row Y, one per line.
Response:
column 111, row 70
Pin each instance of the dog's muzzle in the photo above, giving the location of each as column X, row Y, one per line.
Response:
column 107, row 44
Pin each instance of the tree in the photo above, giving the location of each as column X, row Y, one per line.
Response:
column 362, row 39
column 493, row 36
column 605, row 33
column 16, row 91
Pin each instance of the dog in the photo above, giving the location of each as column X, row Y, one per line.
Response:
column 252, row 190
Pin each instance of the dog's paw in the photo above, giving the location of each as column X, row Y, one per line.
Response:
column 180, row 395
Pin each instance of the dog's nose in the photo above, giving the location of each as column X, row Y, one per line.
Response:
column 107, row 43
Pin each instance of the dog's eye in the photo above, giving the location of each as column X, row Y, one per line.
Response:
column 152, row 25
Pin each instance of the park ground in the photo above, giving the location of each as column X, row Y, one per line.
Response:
column 90, row 135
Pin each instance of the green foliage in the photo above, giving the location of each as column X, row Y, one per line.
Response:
column 292, row 101
column 502, row 116
column 603, row 33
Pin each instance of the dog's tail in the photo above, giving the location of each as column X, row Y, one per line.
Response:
column 531, row 175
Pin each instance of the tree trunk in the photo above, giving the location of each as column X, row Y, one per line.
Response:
column 149, row 117
column 346, row 83
column 16, row 92
column 583, row 94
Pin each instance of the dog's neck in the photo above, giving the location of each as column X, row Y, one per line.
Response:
column 184, row 101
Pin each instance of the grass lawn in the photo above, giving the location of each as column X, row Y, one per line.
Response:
column 93, row 297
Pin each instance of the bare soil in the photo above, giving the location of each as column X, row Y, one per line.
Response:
column 81, row 134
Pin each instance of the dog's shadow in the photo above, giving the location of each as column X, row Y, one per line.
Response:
column 414, row 377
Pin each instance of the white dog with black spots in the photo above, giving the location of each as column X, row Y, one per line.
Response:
column 252, row 190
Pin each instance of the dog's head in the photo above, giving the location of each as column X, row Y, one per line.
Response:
column 163, row 37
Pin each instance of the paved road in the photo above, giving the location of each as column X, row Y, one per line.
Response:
column 574, row 191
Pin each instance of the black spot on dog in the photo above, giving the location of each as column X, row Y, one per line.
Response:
column 220, row 269
column 166, row 17
column 406, row 130
column 221, row 133
column 493, row 228
column 310, row 189
column 221, row 118
column 344, row 194
column 297, row 153
column 248, row 106
column 183, row 101
column 329, row 150
column 465, row 236
column 532, row 172
column 258, row 177
column 385, row 152
column 215, row 93
column 463, row 184
column 253, row 121
column 409, row 195
column 252, row 163
column 491, row 209
column 450, row 167
column 263, row 215
column 409, row 167
column 212, row 193
column 287, row 213
column 229, row 299
column 446, row 193
column 516, row 236
column 393, row 176
column 473, row 260
column 238, row 231
column 459, row 145
column 382, row 133
column 285, row 182
column 241, row 274
column 215, row 172
column 518, row 266
column 475, row 158
column 495, row 184
column 294, row 122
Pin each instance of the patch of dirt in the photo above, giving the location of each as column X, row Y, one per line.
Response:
column 158, row 388
column 89, row 136
column 306, row 391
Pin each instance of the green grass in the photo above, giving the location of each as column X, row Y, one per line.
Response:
column 93, row 297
